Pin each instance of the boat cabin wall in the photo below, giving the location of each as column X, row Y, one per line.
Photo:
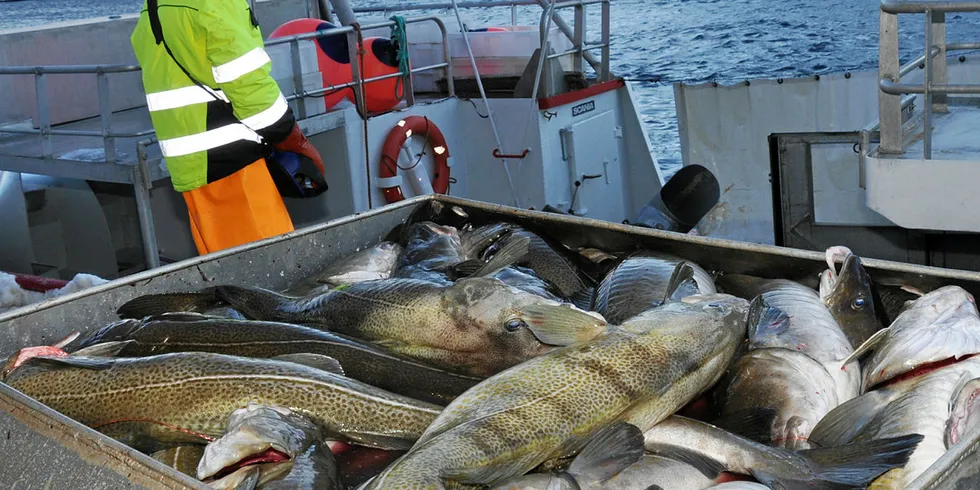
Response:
column 92, row 41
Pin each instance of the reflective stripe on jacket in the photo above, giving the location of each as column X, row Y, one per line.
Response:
column 209, row 133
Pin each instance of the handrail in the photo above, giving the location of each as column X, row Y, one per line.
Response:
column 934, row 87
column 445, row 5
column 923, row 6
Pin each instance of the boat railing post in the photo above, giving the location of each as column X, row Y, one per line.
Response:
column 297, row 78
column 105, row 116
column 570, row 34
column 579, row 40
column 927, row 92
column 513, row 14
column 141, row 189
column 43, row 110
column 354, row 51
column 889, row 106
column 450, row 83
column 605, row 75
column 939, row 100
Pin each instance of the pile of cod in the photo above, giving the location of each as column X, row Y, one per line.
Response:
column 494, row 357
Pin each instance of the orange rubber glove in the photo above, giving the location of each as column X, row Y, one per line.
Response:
column 297, row 143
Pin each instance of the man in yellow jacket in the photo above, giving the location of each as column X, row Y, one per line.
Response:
column 218, row 114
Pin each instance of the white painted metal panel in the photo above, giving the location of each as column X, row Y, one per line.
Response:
column 593, row 163
column 726, row 129
column 920, row 194
column 838, row 199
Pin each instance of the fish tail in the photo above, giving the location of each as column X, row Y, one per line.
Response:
column 858, row 464
column 158, row 304
column 683, row 273
column 584, row 299
column 765, row 319
column 255, row 303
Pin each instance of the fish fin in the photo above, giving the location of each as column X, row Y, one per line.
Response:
column 316, row 361
column 181, row 316
column 764, row 319
column 156, row 304
column 595, row 255
column 708, row 466
column 868, row 346
column 859, row 464
column 842, row 424
column 94, row 363
column 583, row 299
column 379, row 441
column 510, row 253
column 912, row 290
column 610, row 451
column 683, row 272
column 67, row 340
column 561, row 324
column 467, row 268
column 104, row 349
column 256, row 303
column 751, row 423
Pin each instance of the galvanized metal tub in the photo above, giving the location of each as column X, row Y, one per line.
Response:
column 44, row 449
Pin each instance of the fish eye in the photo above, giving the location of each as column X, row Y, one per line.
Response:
column 515, row 324
column 858, row 303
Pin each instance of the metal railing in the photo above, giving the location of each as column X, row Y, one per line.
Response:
column 581, row 48
column 934, row 88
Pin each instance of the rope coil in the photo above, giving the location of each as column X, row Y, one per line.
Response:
column 399, row 40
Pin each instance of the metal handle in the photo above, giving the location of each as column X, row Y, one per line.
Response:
column 497, row 154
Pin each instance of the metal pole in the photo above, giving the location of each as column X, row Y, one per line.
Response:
column 43, row 112
column 927, row 87
column 889, row 106
column 345, row 14
column 939, row 64
column 297, row 78
column 605, row 72
column 105, row 117
column 579, row 41
column 141, row 189
column 570, row 34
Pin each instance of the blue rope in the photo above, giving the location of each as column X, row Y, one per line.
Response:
column 399, row 38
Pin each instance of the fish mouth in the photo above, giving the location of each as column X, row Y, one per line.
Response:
column 921, row 370
column 268, row 456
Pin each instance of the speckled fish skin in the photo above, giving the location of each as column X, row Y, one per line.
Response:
column 849, row 298
column 811, row 328
column 549, row 407
column 942, row 324
column 186, row 332
column 919, row 405
column 462, row 328
column 799, row 389
column 640, row 282
column 198, row 391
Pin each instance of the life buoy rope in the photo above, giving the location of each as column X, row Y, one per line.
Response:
column 397, row 137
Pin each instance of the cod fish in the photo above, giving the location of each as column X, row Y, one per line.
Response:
column 259, row 434
column 478, row 326
column 550, row 407
column 917, row 405
column 374, row 263
column 611, row 451
column 640, row 282
column 848, row 296
column 798, row 388
column 942, row 325
column 524, row 279
column 140, row 401
column 797, row 319
column 550, row 264
column 716, row 450
column 190, row 332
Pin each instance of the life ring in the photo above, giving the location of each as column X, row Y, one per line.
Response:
column 393, row 146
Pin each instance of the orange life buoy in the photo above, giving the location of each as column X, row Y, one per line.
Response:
column 393, row 146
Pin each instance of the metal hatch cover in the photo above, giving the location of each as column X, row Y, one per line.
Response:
column 591, row 149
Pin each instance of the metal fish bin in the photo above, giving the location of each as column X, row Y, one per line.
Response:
column 41, row 448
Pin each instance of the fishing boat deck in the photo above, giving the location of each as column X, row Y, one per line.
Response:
column 954, row 134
